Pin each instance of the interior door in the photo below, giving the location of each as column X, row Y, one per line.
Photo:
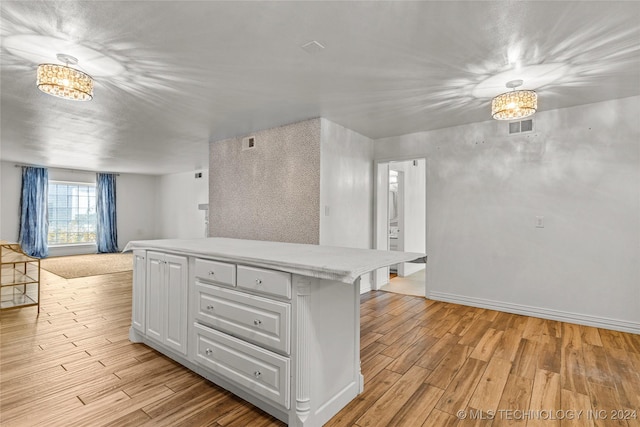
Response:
column 401, row 222
column 177, row 292
column 381, row 276
column 139, row 290
column 155, row 292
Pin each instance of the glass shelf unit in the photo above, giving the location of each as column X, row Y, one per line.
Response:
column 19, row 278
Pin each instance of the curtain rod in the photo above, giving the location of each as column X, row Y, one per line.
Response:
column 19, row 165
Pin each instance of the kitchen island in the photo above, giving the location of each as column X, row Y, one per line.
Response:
column 277, row 324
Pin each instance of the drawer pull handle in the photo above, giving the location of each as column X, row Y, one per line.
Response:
column 258, row 281
column 257, row 322
column 209, row 307
column 208, row 351
column 257, row 374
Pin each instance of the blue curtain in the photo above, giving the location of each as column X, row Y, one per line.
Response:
column 34, row 225
column 107, row 234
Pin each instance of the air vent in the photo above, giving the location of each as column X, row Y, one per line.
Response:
column 526, row 125
column 313, row 47
column 522, row 126
column 248, row 143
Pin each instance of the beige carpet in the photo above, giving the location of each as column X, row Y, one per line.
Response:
column 74, row 266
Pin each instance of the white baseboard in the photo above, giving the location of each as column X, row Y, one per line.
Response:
column 545, row 313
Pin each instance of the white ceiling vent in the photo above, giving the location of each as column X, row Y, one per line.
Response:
column 248, row 143
column 313, row 47
column 523, row 126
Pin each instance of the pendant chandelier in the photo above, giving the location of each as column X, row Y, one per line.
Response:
column 63, row 81
column 515, row 104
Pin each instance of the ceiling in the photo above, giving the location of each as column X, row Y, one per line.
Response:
column 173, row 75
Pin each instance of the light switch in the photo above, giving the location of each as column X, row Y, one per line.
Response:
column 326, row 211
column 539, row 222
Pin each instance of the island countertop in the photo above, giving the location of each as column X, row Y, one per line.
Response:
column 324, row 262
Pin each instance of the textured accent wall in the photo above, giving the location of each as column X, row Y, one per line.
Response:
column 270, row 192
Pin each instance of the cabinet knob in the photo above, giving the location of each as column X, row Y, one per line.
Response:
column 258, row 281
column 212, row 273
column 257, row 374
column 257, row 322
column 208, row 351
column 209, row 307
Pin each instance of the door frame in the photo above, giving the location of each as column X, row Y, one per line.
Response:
column 381, row 216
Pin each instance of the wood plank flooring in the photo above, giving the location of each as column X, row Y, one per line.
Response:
column 423, row 362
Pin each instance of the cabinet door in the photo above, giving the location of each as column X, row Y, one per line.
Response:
column 139, row 289
column 175, row 319
column 262, row 372
column 155, row 295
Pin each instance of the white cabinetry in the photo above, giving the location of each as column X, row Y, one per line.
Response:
column 277, row 324
column 285, row 342
column 238, row 333
column 167, row 299
column 139, row 288
column 258, row 320
column 251, row 367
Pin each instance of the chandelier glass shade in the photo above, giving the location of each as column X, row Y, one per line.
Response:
column 65, row 82
column 514, row 105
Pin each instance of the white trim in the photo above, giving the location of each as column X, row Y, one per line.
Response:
column 380, row 276
column 376, row 282
column 545, row 313
column 401, row 158
column 85, row 184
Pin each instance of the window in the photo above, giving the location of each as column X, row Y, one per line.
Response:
column 72, row 213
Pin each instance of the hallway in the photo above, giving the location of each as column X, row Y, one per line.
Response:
column 414, row 284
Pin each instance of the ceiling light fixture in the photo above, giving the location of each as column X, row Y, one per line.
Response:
column 515, row 104
column 65, row 82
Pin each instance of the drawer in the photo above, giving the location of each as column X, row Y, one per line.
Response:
column 262, row 372
column 259, row 320
column 214, row 271
column 265, row 281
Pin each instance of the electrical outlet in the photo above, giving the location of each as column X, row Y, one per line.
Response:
column 539, row 222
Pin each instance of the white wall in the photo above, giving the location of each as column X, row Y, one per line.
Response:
column 414, row 210
column 178, row 198
column 135, row 201
column 10, row 186
column 580, row 169
column 346, row 189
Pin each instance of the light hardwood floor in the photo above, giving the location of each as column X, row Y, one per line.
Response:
column 423, row 361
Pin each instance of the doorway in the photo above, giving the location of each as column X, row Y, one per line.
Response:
column 401, row 223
